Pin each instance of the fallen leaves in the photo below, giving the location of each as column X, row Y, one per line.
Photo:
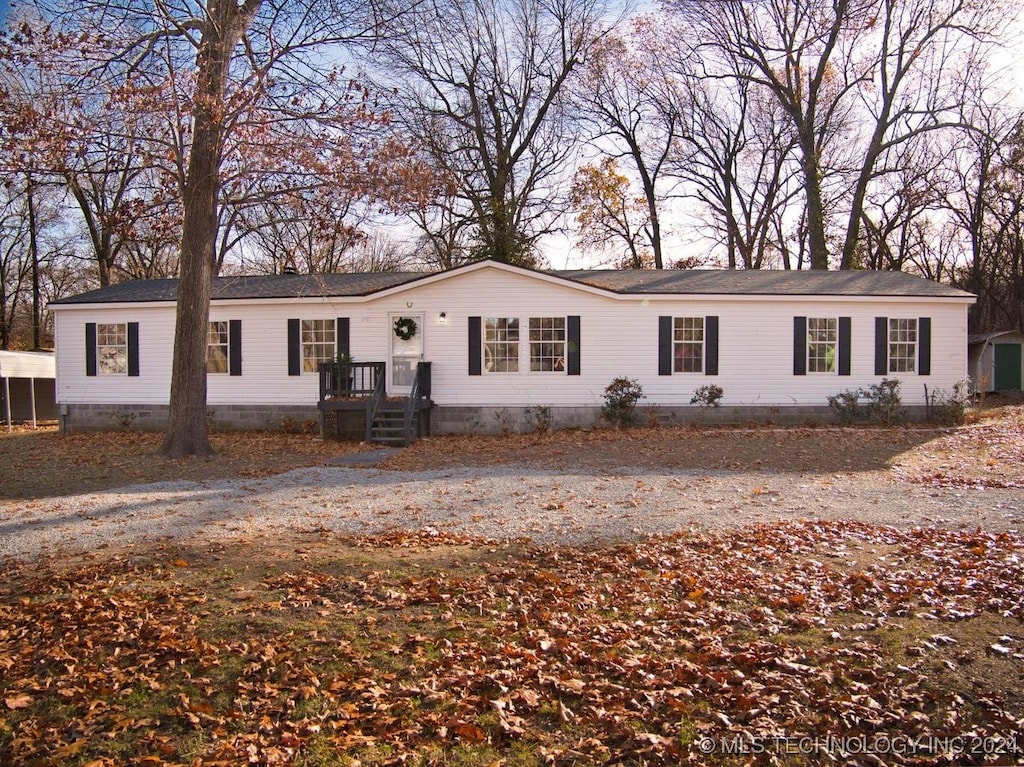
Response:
column 100, row 460
column 624, row 654
column 21, row 700
column 990, row 454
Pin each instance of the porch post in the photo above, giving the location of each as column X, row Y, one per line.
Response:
column 7, row 402
column 32, row 399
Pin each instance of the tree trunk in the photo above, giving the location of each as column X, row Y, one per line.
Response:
column 33, row 240
column 651, row 197
column 817, row 243
column 186, row 420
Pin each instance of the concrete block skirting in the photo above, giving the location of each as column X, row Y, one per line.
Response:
column 444, row 419
column 79, row 418
column 498, row 420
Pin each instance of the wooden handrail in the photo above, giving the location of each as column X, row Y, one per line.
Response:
column 420, row 389
column 349, row 379
column 375, row 399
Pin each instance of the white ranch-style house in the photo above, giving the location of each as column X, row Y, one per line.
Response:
column 482, row 346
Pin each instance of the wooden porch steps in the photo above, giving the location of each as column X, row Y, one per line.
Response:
column 388, row 427
column 349, row 388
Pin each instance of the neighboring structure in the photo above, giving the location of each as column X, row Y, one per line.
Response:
column 27, row 387
column 502, row 339
column 996, row 361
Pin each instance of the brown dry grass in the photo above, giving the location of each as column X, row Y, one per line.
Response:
column 987, row 452
column 43, row 463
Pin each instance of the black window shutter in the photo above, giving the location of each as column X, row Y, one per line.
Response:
column 572, row 345
column 924, row 346
column 881, row 346
column 799, row 346
column 294, row 348
column 664, row 346
column 90, row 348
column 342, row 340
column 133, row 348
column 235, row 347
column 845, row 336
column 475, row 346
column 711, row 346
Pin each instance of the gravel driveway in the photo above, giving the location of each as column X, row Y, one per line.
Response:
column 504, row 502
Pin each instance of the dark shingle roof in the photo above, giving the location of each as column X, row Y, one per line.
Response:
column 638, row 282
column 763, row 283
column 264, row 286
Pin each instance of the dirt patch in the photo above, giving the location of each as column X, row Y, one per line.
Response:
column 769, row 449
column 42, row 463
column 989, row 453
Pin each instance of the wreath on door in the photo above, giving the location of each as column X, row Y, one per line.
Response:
column 405, row 328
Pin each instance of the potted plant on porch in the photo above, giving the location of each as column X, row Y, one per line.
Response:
column 343, row 370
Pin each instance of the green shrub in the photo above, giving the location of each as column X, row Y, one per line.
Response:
column 539, row 418
column 884, row 401
column 505, row 421
column 708, row 396
column 620, row 398
column 846, row 406
column 949, row 408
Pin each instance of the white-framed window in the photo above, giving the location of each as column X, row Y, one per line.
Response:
column 501, row 344
column 822, row 344
column 688, row 344
column 112, row 348
column 317, row 344
column 902, row 345
column 217, row 348
column 547, row 344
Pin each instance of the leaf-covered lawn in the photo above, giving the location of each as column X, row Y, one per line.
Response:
column 431, row 650
column 43, row 463
column 987, row 453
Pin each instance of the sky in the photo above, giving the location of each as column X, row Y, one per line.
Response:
column 4, row 5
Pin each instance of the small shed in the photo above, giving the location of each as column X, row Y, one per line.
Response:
column 996, row 360
column 28, row 391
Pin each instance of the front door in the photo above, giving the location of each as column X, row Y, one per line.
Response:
column 1008, row 367
column 406, row 332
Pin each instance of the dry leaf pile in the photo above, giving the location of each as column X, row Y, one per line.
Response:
column 990, row 454
column 487, row 653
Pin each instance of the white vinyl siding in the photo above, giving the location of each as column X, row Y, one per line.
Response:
column 619, row 337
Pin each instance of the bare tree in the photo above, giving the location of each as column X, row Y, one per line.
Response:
column 32, row 240
column 736, row 159
column 482, row 84
column 84, row 136
column 313, row 233
column 239, row 81
column 984, row 202
column 609, row 216
column 14, row 265
column 379, row 252
column 445, row 230
column 627, row 89
column 855, row 78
